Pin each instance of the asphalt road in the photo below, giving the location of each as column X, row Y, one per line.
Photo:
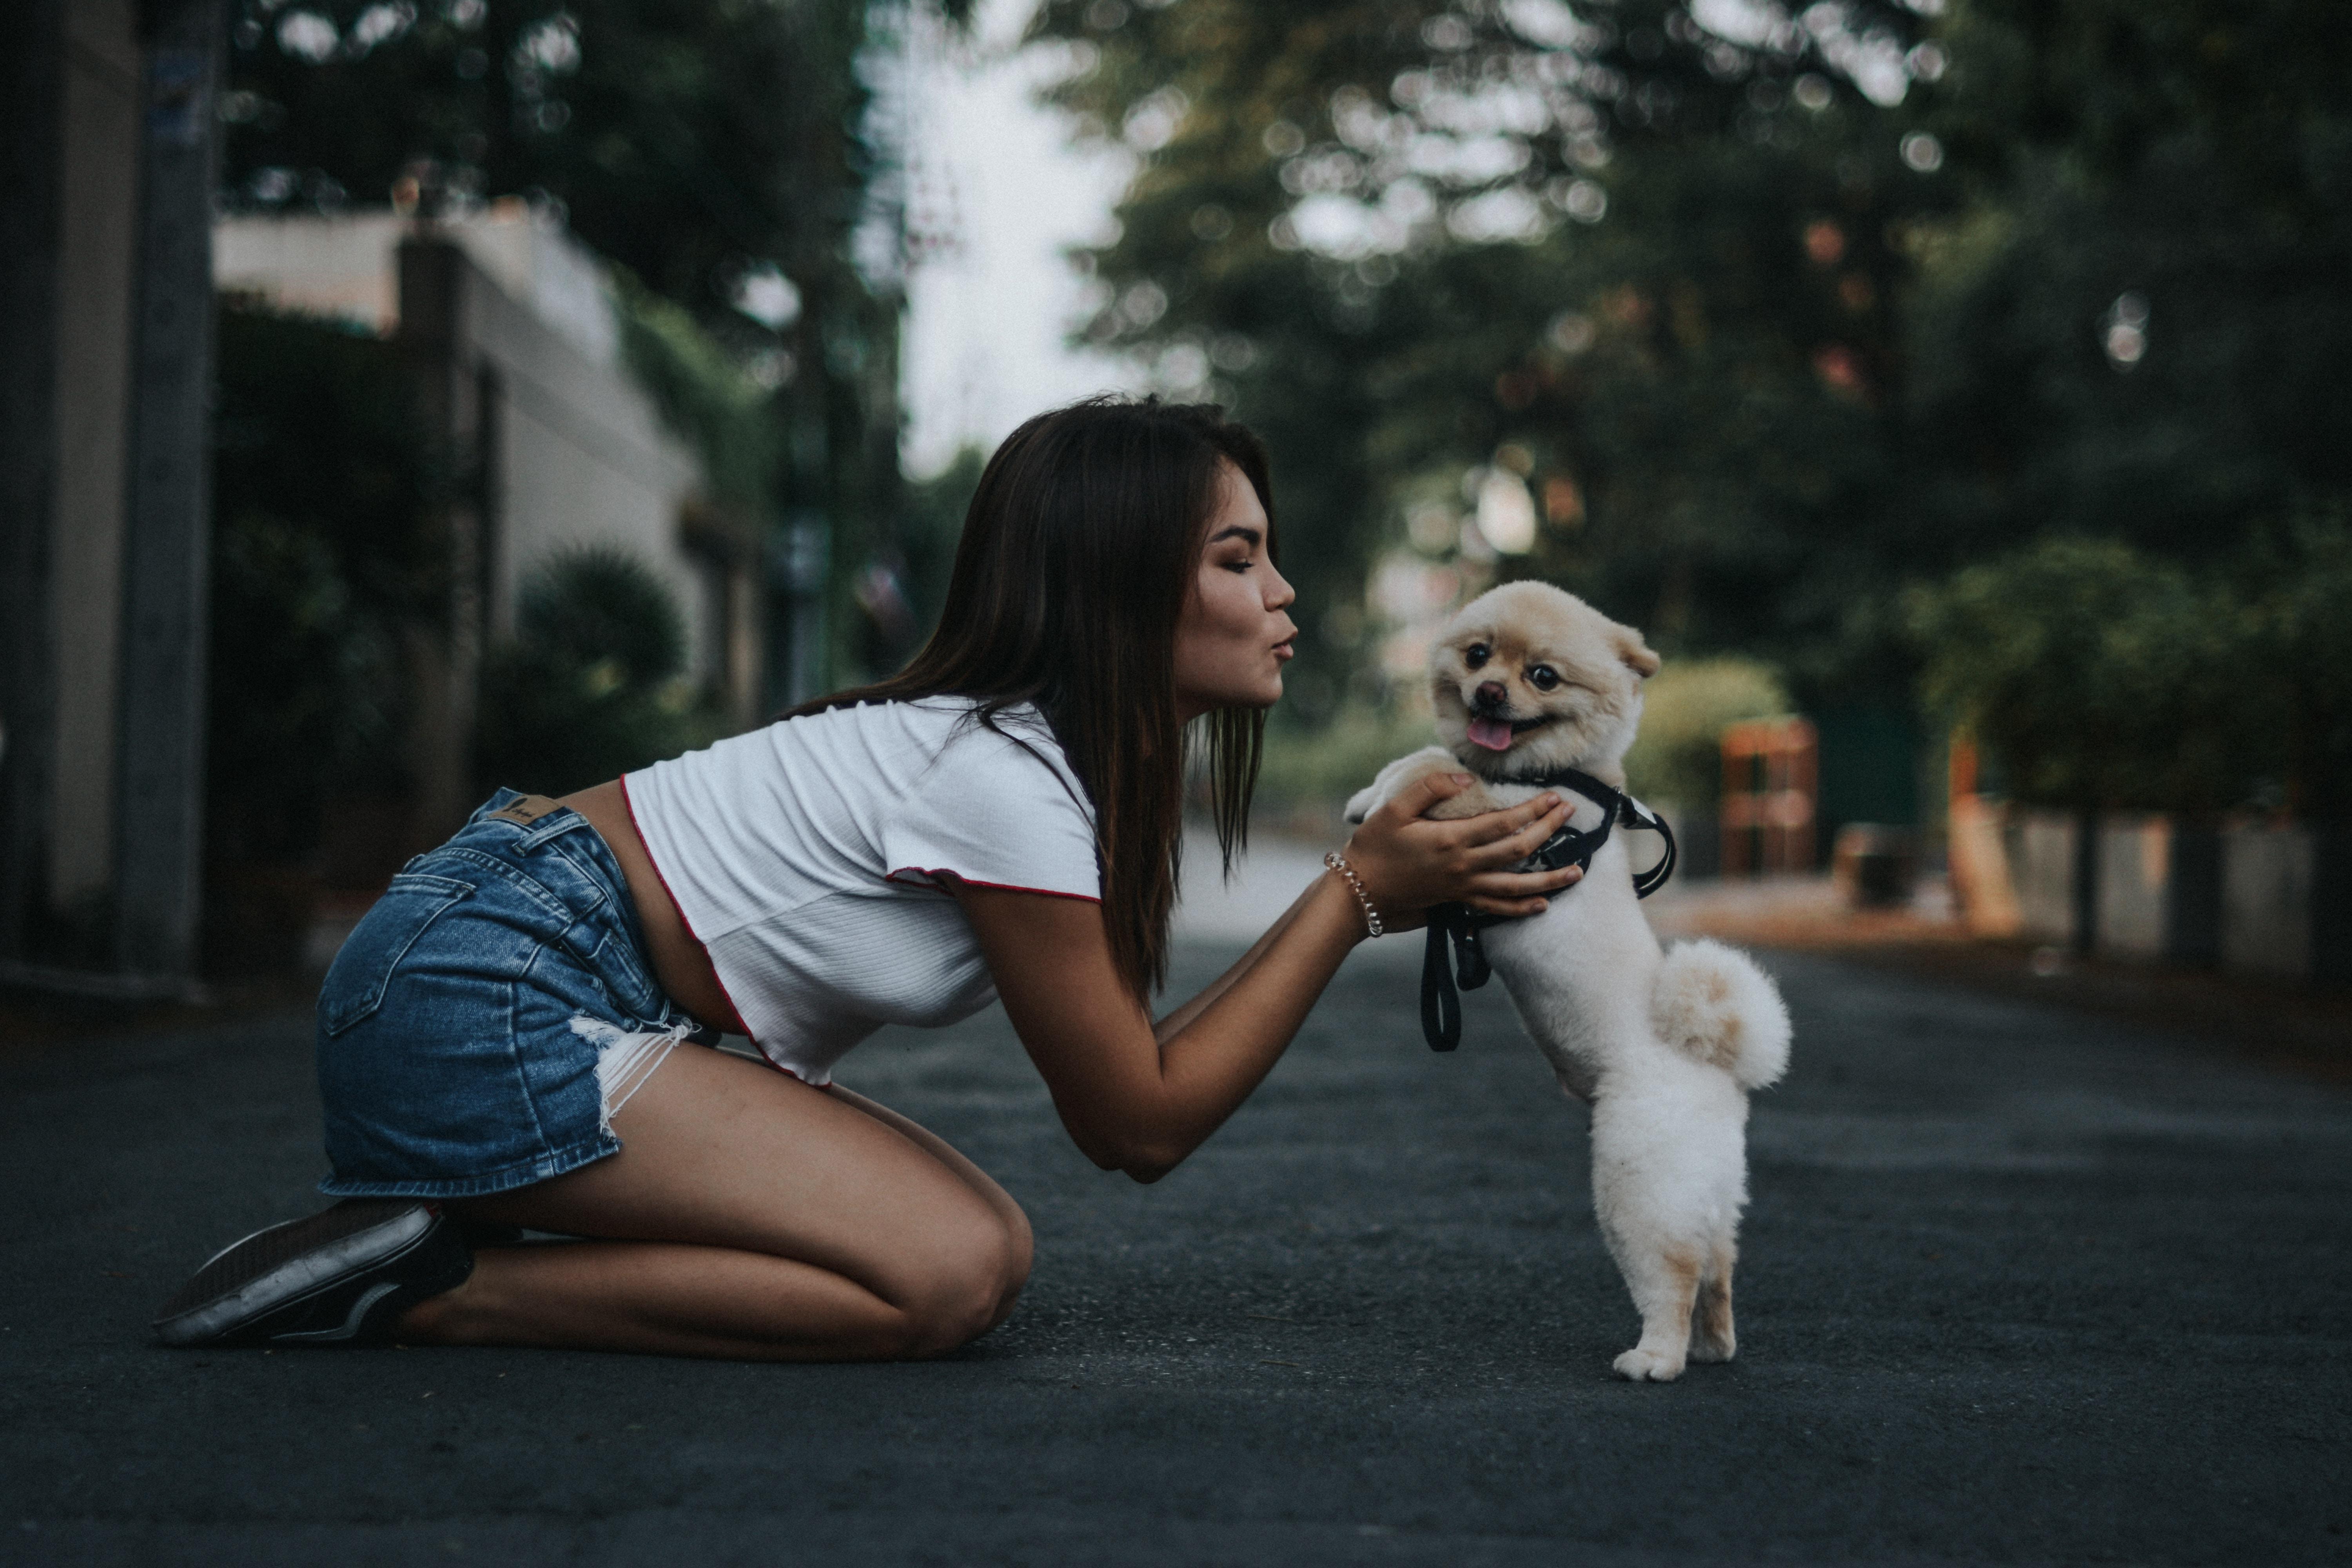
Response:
column 2019, row 1287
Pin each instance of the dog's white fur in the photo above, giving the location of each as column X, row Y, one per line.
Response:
column 1665, row 1045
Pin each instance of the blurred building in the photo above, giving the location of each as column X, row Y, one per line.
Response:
column 108, row 255
column 513, row 334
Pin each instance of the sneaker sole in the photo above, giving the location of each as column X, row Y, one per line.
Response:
column 276, row 1267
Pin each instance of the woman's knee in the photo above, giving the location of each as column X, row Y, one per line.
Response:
column 961, row 1292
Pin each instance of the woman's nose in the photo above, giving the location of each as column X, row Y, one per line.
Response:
column 1279, row 594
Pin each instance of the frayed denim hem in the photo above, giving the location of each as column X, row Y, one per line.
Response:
column 545, row 1168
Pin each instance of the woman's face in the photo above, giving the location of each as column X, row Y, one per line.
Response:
column 1232, row 637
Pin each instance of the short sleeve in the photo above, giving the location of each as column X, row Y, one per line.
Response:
column 995, row 812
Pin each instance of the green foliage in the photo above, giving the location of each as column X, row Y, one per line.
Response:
column 317, row 567
column 703, row 394
column 1325, row 765
column 2099, row 676
column 2139, row 330
column 591, row 685
column 1685, row 708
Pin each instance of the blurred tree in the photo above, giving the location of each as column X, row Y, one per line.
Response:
column 1774, row 310
column 2141, row 325
column 1646, row 264
column 2102, row 677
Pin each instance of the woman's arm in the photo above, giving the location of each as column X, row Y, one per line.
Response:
column 1140, row 1102
column 1168, row 1027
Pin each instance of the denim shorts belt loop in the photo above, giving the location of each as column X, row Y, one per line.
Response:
column 491, row 1013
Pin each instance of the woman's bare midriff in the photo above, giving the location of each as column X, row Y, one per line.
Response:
column 680, row 964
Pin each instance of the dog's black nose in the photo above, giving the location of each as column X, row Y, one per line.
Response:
column 1493, row 694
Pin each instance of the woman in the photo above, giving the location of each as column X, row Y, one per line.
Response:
column 501, row 1041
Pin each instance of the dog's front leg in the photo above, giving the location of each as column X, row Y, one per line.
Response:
column 1407, row 770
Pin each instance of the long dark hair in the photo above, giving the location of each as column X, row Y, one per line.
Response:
column 1078, row 552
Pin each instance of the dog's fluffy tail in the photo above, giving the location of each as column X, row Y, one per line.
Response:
column 1713, row 1002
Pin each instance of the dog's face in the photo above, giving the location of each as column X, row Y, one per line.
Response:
column 1527, row 679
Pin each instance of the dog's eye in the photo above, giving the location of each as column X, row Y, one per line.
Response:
column 1476, row 655
column 1543, row 678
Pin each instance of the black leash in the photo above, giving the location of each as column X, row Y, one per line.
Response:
column 1441, row 1006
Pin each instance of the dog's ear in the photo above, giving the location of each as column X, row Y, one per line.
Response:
column 1635, row 652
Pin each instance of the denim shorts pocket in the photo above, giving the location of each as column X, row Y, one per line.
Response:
column 356, row 981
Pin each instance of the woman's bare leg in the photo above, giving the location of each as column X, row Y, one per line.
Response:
column 749, row 1215
column 1016, row 1222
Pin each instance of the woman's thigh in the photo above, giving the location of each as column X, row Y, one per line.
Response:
column 720, row 1152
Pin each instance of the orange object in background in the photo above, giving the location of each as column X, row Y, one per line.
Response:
column 1978, row 859
column 1772, row 788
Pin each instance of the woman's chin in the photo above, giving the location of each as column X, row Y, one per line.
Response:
column 1254, row 700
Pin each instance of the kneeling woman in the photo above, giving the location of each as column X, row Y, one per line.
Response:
column 509, row 1039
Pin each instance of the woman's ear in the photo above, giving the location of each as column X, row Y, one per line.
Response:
column 1636, row 653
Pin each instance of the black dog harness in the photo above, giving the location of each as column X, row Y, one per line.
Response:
column 1441, row 1008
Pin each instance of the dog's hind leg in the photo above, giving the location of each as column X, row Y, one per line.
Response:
column 1711, row 1336
column 1665, row 1282
column 1661, row 1239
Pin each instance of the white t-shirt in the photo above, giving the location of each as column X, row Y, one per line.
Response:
column 807, row 858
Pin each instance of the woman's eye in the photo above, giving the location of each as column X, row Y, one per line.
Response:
column 1543, row 678
column 1475, row 655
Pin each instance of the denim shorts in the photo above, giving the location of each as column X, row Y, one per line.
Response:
column 487, row 1016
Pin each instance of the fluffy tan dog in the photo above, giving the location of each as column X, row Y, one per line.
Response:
column 1527, row 680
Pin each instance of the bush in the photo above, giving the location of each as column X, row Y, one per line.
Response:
column 2097, row 676
column 593, row 685
column 1685, row 708
column 318, row 566
column 319, row 572
column 1324, row 766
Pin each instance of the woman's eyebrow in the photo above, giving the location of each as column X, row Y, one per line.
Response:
column 1238, row 531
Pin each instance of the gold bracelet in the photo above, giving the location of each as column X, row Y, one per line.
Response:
column 1339, row 862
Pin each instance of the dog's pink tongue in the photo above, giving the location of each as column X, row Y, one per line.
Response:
column 1494, row 734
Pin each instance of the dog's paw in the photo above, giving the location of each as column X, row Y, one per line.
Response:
column 1709, row 1351
column 1638, row 1365
column 1396, row 778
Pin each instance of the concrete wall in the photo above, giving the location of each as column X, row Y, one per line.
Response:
column 340, row 268
column 2042, row 852
column 2266, row 900
column 2135, row 872
column 580, row 459
column 2249, row 896
column 343, row 267
column 98, row 224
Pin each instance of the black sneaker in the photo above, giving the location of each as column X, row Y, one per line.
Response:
column 341, row 1277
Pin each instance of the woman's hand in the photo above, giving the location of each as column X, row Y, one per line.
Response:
column 1409, row 862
